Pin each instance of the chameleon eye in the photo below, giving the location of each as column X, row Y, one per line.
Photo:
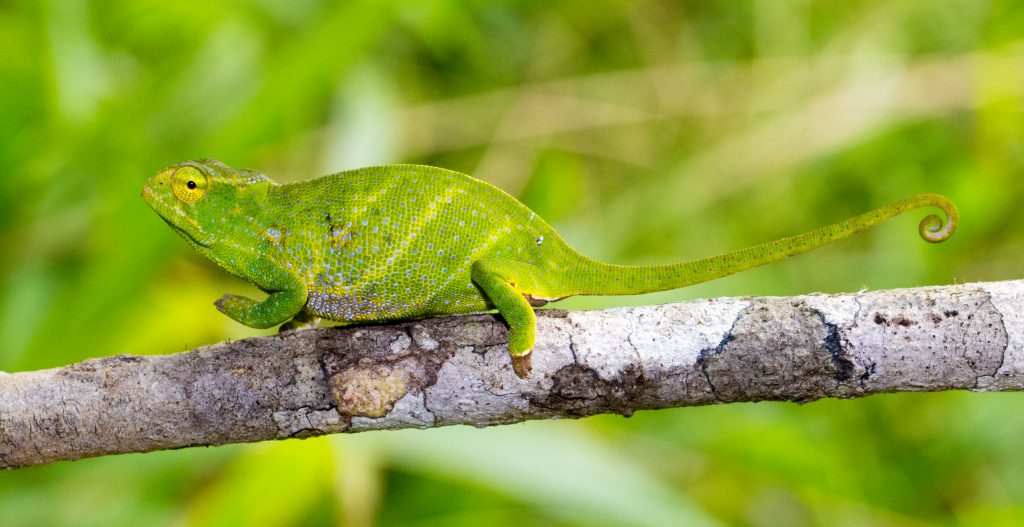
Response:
column 189, row 184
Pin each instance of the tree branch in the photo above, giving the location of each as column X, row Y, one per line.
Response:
column 456, row 370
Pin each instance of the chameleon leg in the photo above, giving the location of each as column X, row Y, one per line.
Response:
column 495, row 278
column 286, row 301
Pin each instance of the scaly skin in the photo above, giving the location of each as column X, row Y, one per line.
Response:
column 405, row 241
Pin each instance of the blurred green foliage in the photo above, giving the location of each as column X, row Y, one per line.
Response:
column 645, row 131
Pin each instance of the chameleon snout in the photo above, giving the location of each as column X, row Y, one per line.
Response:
column 154, row 185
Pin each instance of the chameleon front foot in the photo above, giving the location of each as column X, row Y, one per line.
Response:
column 522, row 364
column 301, row 321
column 298, row 325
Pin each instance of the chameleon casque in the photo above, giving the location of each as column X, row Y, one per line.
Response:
column 407, row 241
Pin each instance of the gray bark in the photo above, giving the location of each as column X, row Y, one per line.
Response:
column 456, row 370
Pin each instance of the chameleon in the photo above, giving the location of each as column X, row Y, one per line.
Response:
column 399, row 242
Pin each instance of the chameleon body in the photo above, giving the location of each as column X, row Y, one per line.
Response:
column 406, row 241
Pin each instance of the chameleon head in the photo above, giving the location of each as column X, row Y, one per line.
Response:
column 195, row 197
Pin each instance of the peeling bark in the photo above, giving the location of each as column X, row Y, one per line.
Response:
column 456, row 370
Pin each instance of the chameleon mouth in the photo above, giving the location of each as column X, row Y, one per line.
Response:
column 187, row 227
column 177, row 229
column 202, row 242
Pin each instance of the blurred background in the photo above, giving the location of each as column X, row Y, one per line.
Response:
column 643, row 131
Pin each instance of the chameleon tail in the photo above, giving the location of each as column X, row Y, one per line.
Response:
column 597, row 278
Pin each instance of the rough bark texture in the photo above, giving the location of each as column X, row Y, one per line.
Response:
column 456, row 370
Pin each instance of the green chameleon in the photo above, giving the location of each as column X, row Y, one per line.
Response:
column 406, row 241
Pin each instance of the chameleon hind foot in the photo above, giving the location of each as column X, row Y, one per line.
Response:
column 496, row 279
column 522, row 364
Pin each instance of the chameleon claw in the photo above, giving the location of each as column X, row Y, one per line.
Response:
column 523, row 363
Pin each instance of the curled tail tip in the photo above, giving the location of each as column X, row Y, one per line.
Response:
column 933, row 228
